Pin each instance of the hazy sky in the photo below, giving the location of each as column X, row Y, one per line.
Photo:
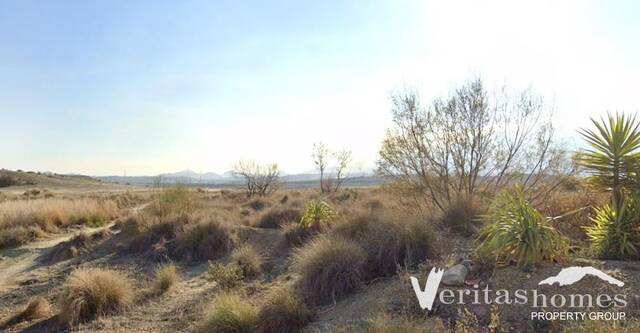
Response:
column 97, row 87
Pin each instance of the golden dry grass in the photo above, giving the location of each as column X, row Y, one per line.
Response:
column 229, row 313
column 22, row 221
column 166, row 278
column 92, row 292
column 284, row 312
column 329, row 268
column 248, row 259
column 37, row 308
column 389, row 241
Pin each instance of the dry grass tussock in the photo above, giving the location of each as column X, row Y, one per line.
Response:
column 166, row 278
column 22, row 221
column 206, row 240
column 275, row 217
column 37, row 308
column 248, row 259
column 226, row 276
column 91, row 292
column 284, row 312
column 329, row 269
column 229, row 313
column 389, row 241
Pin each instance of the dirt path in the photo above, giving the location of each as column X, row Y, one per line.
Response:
column 18, row 264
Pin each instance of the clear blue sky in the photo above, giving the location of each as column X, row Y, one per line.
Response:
column 97, row 87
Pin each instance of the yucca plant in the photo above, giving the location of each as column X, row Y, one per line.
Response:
column 616, row 232
column 316, row 213
column 613, row 157
column 613, row 161
column 515, row 231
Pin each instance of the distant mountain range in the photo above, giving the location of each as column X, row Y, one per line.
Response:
column 228, row 178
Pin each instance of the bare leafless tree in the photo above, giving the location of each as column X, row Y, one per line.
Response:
column 343, row 159
column 323, row 158
column 472, row 142
column 320, row 157
column 259, row 179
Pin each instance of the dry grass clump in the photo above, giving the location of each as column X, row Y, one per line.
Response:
column 226, row 276
column 569, row 204
column 258, row 204
column 389, row 242
column 151, row 231
column 92, row 292
column 275, row 217
column 37, row 308
column 284, row 312
column 166, row 278
column 18, row 235
column 174, row 200
column 229, row 313
column 295, row 234
column 462, row 217
column 248, row 259
column 205, row 240
column 20, row 219
column 329, row 268
column 78, row 244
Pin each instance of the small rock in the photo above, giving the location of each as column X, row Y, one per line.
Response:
column 455, row 276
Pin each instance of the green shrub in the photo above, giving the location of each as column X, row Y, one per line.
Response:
column 616, row 232
column 516, row 231
column 230, row 314
column 316, row 214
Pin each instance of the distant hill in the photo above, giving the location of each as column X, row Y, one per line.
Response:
column 212, row 179
column 44, row 179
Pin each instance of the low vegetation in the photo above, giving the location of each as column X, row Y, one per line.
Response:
column 316, row 215
column 205, row 240
column 229, row 313
column 284, row 312
column 517, row 232
column 166, row 278
column 615, row 232
column 226, row 276
column 37, row 308
column 276, row 217
column 389, row 242
column 92, row 292
column 329, row 268
column 248, row 259
column 23, row 221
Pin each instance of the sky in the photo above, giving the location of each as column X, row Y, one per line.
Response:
column 146, row 87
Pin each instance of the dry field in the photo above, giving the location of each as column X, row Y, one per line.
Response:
column 194, row 260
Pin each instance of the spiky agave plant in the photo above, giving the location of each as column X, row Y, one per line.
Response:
column 316, row 213
column 616, row 229
column 613, row 157
column 516, row 231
